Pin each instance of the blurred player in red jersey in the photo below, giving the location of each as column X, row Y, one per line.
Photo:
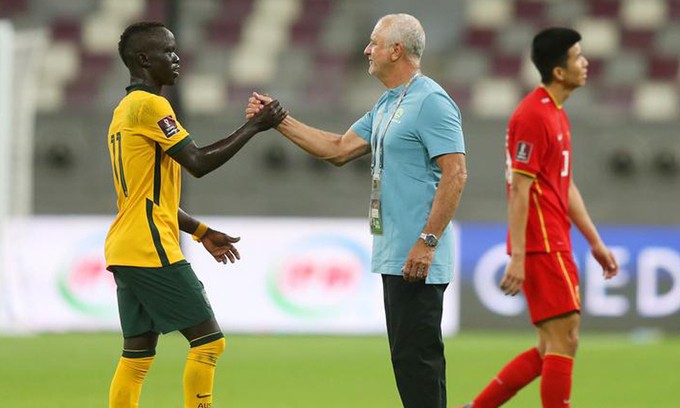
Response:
column 543, row 202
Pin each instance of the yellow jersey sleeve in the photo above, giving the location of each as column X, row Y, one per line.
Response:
column 160, row 124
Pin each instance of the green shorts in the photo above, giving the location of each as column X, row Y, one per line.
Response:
column 160, row 300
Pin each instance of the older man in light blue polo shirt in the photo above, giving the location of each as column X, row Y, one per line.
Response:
column 418, row 173
column 426, row 125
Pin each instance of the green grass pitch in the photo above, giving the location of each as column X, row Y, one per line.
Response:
column 74, row 370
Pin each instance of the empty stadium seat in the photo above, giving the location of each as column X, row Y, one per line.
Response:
column 9, row 8
column 310, row 49
column 644, row 14
column 604, row 8
column 225, row 27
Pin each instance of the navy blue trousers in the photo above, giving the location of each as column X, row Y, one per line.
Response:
column 413, row 312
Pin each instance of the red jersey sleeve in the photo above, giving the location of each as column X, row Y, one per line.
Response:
column 526, row 145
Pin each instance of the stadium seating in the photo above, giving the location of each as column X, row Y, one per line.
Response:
column 310, row 50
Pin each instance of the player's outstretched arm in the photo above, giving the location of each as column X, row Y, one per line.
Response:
column 220, row 245
column 200, row 161
column 578, row 214
column 332, row 147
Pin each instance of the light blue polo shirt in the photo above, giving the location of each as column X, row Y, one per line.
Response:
column 427, row 124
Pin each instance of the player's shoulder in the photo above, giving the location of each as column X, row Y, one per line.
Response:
column 535, row 106
column 151, row 99
column 151, row 105
column 142, row 95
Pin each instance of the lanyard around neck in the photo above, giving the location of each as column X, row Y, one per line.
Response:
column 379, row 141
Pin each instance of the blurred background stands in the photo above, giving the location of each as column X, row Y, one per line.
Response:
column 308, row 53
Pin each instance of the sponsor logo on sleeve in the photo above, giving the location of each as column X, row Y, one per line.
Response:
column 169, row 126
column 523, row 152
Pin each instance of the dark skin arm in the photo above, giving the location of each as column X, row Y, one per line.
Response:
column 219, row 244
column 199, row 161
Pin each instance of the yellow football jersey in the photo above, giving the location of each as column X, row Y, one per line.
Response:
column 142, row 136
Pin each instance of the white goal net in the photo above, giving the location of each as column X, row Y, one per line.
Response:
column 20, row 58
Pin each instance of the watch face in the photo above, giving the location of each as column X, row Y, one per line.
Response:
column 430, row 240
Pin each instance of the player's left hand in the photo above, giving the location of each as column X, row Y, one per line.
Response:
column 418, row 262
column 220, row 246
column 605, row 258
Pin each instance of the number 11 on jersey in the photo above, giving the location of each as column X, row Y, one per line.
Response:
column 117, row 161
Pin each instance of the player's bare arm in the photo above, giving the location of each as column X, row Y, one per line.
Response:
column 444, row 205
column 200, row 161
column 518, row 214
column 332, row 147
column 220, row 245
column 578, row 214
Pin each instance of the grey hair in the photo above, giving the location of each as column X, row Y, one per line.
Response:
column 405, row 29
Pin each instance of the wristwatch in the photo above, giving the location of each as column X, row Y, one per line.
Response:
column 430, row 240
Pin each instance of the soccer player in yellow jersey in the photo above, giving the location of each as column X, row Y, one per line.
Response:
column 158, row 291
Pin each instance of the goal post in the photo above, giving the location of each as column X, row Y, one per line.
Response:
column 6, row 68
column 21, row 53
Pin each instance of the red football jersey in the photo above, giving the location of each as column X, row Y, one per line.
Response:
column 538, row 144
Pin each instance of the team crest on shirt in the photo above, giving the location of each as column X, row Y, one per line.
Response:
column 169, row 126
column 398, row 115
column 523, row 152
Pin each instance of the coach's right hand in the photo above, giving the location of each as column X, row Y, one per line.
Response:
column 255, row 103
column 268, row 116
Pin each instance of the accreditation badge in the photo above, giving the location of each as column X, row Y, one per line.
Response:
column 374, row 214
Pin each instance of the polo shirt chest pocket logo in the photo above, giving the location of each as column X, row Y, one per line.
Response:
column 398, row 115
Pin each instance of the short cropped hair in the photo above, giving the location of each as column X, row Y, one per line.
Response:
column 126, row 39
column 406, row 30
column 550, row 49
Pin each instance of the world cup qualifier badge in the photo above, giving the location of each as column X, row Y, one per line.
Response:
column 168, row 125
column 523, row 152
